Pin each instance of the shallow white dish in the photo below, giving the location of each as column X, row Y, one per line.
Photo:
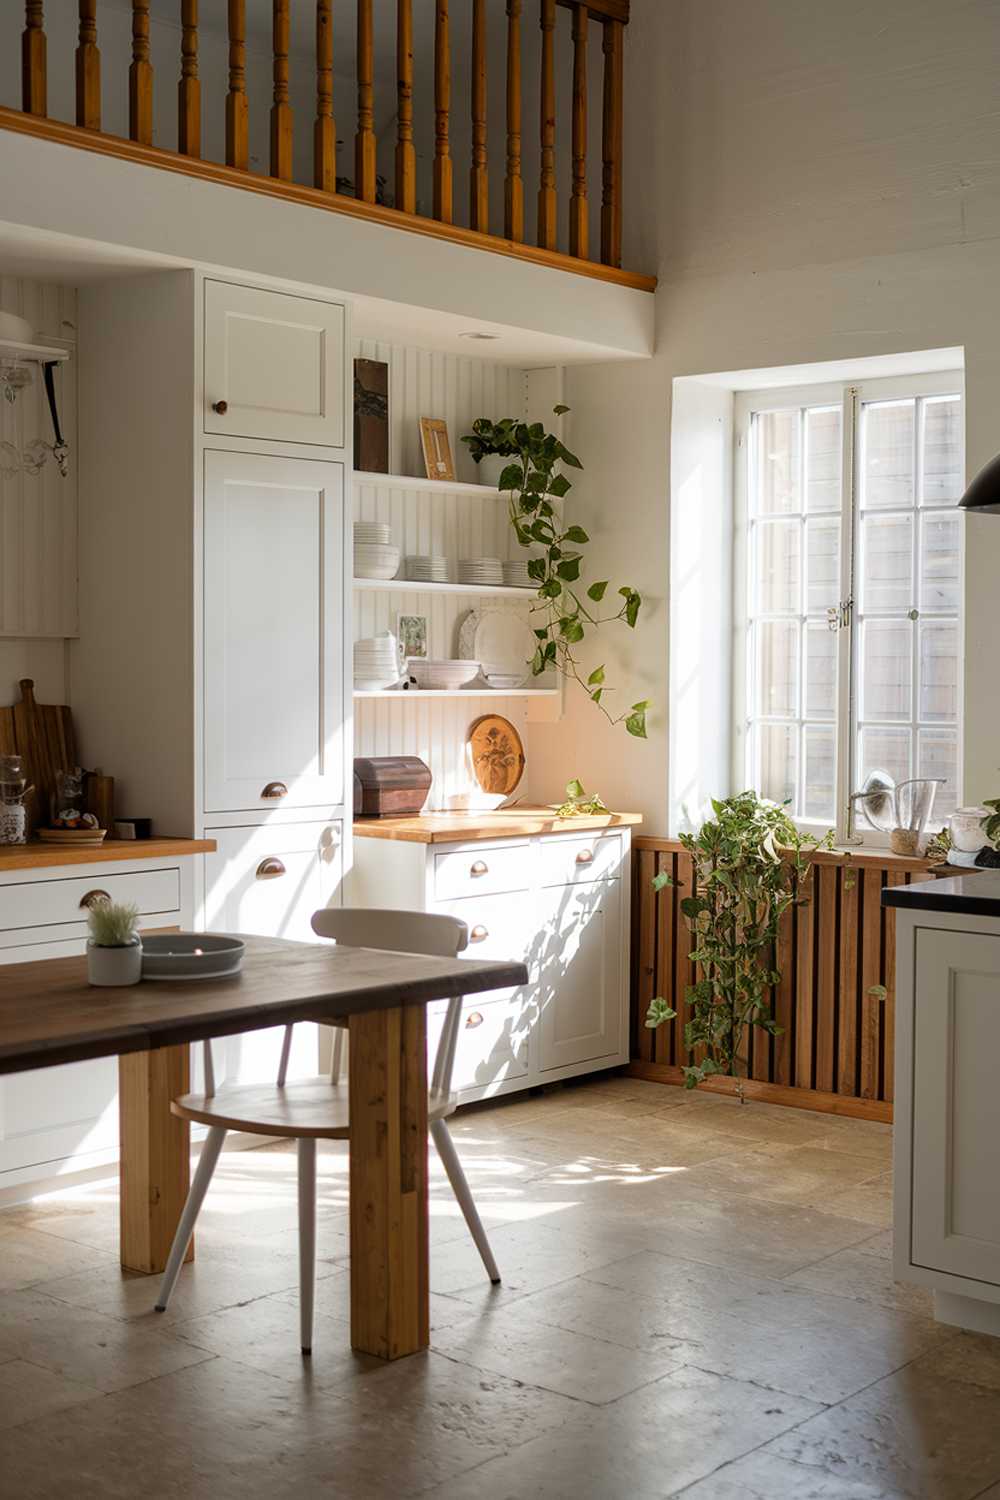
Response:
column 442, row 676
column 181, row 957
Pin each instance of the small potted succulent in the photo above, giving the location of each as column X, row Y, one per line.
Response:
column 114, row 950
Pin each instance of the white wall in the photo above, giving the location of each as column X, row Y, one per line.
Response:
column 818, row 183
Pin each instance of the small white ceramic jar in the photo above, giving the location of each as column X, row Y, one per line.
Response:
column 966, row 828
column 111, row 967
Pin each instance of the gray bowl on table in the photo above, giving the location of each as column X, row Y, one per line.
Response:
column 185, row 956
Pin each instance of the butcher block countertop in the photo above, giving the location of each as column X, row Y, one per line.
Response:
column 466, row 827
column 37, row 855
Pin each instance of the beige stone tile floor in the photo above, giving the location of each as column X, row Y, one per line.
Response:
column 697, row 1300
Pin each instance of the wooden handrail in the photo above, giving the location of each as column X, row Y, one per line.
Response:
column 368, row 187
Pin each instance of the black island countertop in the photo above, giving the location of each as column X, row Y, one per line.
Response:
column 975, row 894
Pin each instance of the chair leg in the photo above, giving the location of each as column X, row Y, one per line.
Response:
column 449, row 1156
column 307, row 1239
column 185, row 1229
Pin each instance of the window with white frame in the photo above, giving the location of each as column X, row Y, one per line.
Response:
column 849, row 591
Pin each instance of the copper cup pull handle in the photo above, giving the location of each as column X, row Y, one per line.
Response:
column 585, row 857
column 478, row 935
column 275, row 789
column 92, row 899
column 270, row 869
column 221, row 407
column 474, row 1018
column 480, row 868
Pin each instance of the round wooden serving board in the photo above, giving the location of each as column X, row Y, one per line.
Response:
column 497, row 754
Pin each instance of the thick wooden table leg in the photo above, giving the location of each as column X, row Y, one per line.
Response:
column 389, row 1285
column 155, row 1167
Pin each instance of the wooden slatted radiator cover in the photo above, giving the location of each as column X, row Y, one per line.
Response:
column 835, row 1053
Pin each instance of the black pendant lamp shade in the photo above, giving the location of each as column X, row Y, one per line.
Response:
column 983, row 493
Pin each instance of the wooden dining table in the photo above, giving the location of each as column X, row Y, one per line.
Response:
column 50, row 1015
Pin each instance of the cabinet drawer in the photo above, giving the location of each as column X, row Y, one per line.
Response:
column 481, row 870
column 492, row 1044
column 52, row 903
column 564, row 861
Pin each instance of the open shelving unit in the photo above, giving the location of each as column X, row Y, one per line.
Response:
column 419, row 694
column 416, row 586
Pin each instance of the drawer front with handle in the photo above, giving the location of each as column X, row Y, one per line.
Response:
column 565, row 861
column 481, row 870
column 39, row 904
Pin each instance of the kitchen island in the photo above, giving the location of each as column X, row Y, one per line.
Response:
column 947, row 1119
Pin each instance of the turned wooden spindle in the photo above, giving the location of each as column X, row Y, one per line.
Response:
column 281, row 109
column 189, row 87
column 513, row 226
column 406, row 155
column 547, row 120
column 365, row 168
column 479, row 187
column 140, row 77
column 88, row 69
column 611, row 199
column 578, row 206
column 442, row 106
column 324, row 130
column 33, row 60
column 237, row 112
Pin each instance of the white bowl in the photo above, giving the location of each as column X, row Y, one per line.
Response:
column 442, row 676
column 17, row 330
column 376, row 562
column 501, row 681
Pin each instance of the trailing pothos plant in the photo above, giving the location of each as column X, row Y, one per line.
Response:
column 748, row 870
column 565, row 612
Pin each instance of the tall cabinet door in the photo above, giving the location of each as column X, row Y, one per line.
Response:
column 956, row 1119
column 274, row 631
column 581, row 980
column 274, row 366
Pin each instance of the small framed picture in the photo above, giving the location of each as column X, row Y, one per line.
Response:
column 411, row 631
column 437, row 449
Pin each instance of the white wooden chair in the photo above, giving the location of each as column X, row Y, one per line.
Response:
column 318, row 1108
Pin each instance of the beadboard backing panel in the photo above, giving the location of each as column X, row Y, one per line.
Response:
column 38, row 514
column 449, row 525
column 426, row 384
column 838, row 1039
column 436, row 730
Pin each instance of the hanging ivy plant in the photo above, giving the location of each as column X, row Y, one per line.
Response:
column 748, row 870
column 565, row 611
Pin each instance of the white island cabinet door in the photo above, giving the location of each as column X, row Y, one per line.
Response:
column 580, row 955
column 956, row 1200
column 274, row 633
column 274, row 366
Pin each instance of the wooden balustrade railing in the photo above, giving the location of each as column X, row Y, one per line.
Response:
column 554, row 197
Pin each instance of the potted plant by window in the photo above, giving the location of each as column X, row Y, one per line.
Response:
column 114, row 949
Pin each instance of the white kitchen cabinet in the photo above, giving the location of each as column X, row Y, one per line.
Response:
column 580, row 979
column 274, row 365
column 273, row 647
column 62, row 1119
column 554, row 901
column 946, row 1213
column 269, row 880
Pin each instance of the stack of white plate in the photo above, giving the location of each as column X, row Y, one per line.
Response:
column 427, row 569
column 376, row 662
column 515, row 574
column 372, row 533
column 442, row 676
column 375, row 559
column 488, row 570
